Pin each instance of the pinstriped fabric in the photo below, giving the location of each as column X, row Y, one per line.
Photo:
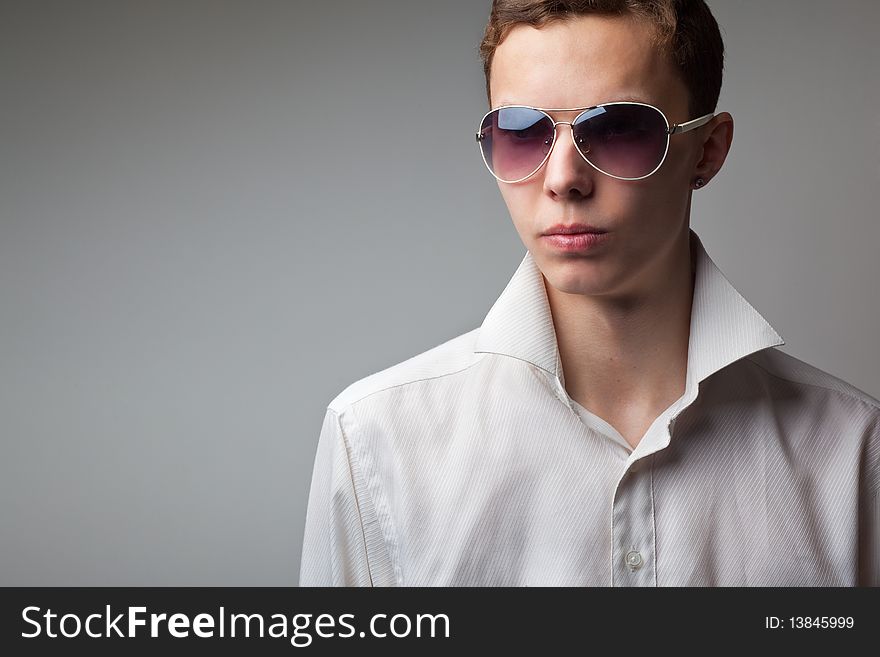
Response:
column 340, row 521
column 520, row 324
column 771, row 468
column 869, row 546
column 733, row 328
column 470, row 465
column 376, row 553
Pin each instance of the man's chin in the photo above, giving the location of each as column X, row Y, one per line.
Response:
column 574, row 276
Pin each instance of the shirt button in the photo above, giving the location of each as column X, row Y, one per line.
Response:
column 633, row 559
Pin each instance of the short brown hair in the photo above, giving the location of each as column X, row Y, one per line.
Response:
column 686, row 31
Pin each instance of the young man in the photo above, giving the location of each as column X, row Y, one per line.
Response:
column 622, row 416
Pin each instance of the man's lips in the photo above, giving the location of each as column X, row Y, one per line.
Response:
column 573, row 229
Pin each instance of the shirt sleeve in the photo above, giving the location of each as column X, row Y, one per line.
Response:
column 869, row 548
column 869, row 521
column 334, row 551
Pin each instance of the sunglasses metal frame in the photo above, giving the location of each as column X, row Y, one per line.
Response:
column 671, row 129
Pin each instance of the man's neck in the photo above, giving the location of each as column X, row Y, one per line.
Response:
column 625, row 358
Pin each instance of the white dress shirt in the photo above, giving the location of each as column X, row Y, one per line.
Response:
column 470, row 465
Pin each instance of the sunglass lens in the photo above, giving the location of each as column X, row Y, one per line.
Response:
column 515, row 141
column 624, row 140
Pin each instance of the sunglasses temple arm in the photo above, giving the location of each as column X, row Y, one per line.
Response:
column 690, row 125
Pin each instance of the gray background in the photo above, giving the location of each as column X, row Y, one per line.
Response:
column 216, row 215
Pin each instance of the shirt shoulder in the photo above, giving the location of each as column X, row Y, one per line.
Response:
column 444, row 359
column 785, row 366
column 846, row 409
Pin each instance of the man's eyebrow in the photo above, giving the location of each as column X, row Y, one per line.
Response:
column 629, row 97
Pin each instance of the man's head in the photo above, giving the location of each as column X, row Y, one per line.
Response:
column 567, row 54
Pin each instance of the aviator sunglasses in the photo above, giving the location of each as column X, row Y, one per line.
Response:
column 623, row 139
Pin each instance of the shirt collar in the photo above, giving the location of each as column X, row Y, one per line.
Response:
column 724, row 326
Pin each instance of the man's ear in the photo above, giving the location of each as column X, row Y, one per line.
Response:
column 716, row 145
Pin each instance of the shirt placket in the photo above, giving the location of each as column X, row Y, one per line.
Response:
column 633, row 554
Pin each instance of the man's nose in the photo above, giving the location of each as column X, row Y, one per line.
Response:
column 567, row 172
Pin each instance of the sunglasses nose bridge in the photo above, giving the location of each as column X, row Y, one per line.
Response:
column 583, row 150
column 556, row 123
